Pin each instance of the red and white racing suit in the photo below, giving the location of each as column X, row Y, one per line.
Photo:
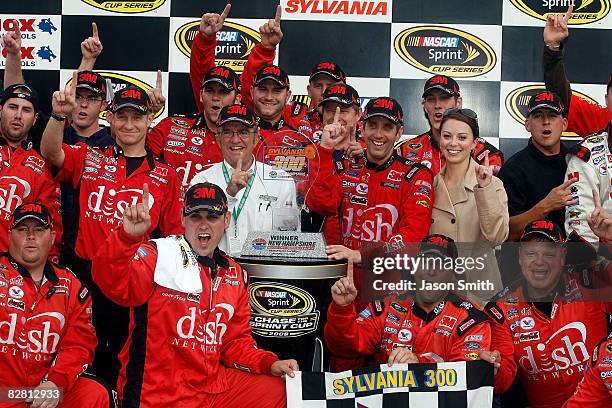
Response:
column 189, row 328
column 550, row 349
column 595, row 389
column 46, row 334
column 425, row 150
column 454, row 331
column 26, row 176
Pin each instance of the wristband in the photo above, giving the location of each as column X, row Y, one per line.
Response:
column 553, row 47
column 57, row 117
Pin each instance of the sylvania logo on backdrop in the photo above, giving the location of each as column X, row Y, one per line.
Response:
column 134, row 6
column 585, row 11
column 120, row 81
column 517, row 100
column 444, row 50
column 234, row 43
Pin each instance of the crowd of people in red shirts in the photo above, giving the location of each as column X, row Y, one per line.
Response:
column 117, row 282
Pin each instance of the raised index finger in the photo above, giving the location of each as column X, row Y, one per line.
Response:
column 158, row 82
column 226, row 11
column 73, row 83
column 279, row 13
column 337, row 115
column 145, row 196
column 486, row 159
column 94, row 30
column 569, row 182
column 349, row 270
column 596, row 199
column 569, row 12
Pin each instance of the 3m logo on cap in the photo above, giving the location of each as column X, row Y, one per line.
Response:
column 544, row 96
column 131, row 93
column 205, row 192
column 337, row 89
column 88, row 77
column 220, row 71
column 517, row 100
column 126, row 7
column 32, row 208
column 327, row 65
column 271, row 71
column 438, row 80
column 445, row 50
column 543, row 225
column 237, row 110
column 585, row 11
column 383, row 103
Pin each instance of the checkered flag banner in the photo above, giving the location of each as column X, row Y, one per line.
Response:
column 443, row 385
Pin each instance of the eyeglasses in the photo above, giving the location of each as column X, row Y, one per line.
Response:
column 89, row 99
column 243, row 133
column 461, row 111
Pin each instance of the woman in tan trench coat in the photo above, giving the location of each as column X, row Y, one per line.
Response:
column 470, row 204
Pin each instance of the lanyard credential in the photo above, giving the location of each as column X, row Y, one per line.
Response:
column 236, row 212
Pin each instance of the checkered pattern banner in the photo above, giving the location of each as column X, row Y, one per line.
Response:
column 442, row 385
column 387, row 47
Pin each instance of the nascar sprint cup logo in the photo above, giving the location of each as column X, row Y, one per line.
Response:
column 585, row 11
column 120, row 81
column 517, row 100
column 134, row 6
column 234, row 43
column 281, row 310
column 444, row 50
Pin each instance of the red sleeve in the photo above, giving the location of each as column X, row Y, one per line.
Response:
column 594, row 389
column 586, row 118
column 123, row 268
column 202, row 60
column 326, row 190
column 348, row 334
column 74, row 163
column 170, row 216
column 502, row 341
column 156, row 137
column 49, row 195
column 417, row 202
column 258, row 57
column 240, row 351
column 78, row 342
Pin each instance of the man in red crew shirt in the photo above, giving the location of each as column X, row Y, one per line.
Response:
column 24, row 174
column 190, row 341
column 429, row 326
column 112, row 179
column 549, row 318
column 46, row 336
column 583, row 117
column 439, row 94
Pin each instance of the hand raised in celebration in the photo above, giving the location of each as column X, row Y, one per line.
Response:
column 271, row 33
column 11, row 40
column 344, row 291
column 560, row 196
column 484, row 172
column 91, row 47
column 239, row 179
column 156, row 95
column 64, row 102
column 600, row 221
column 281, row 367
column 332, row 133
column 556, row 31
column 212, row 23
column 136, row 219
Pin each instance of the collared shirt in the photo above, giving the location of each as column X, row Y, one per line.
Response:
column 106, row 191
column 272, row 189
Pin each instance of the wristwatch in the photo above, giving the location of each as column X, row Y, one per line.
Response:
column 57, row 117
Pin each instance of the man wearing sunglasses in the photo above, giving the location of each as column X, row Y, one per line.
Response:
column 441, row 93
column 255, row 191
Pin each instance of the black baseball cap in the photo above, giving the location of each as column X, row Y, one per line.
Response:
column 545, row 100
column 237, row 113
column 21, row 91
column 32, row 210
column 443, row 83
column 224, row 76
column 385, row 107
column 131, row 97
column 543, row 229
column 329, row 68
column 205, row 196
column 341, row 93
column 92, row 81
column 273, row 72
column 438, row 244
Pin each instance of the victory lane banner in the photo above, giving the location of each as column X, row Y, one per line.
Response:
column 465, row 384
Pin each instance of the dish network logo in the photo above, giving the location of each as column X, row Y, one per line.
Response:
column 373, row 224
column 112, row 203
column 572, row 353
column 40, row 340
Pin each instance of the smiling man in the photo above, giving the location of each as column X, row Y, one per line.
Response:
column 534, row 177
column 190, row 342
column 255, row 190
